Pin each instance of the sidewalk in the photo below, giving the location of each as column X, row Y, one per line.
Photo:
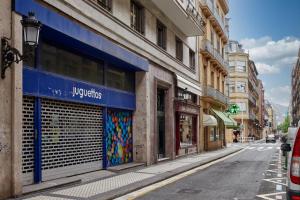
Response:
column 120, row 184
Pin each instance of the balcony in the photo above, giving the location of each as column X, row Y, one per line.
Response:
column 211, row 92
column 252, row 99
column 183, row 14
column 210, row 11
column 208, row 50
column 252, row 116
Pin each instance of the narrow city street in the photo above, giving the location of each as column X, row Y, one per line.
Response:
column 255, row 173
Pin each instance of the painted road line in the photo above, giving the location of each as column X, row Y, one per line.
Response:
column 268, row 196
column 147, row 189
column 251, row 148
column 278, row 197
column 278, row 187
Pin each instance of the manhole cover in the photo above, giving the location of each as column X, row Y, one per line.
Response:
column 189, row 191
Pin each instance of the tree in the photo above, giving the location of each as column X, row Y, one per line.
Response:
column 284, row 125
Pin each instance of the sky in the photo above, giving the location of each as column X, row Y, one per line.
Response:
column 270, row 31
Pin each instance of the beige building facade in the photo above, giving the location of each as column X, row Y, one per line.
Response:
column 213, row 64
column 245, row 90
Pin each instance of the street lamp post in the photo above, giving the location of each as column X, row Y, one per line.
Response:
column 9, row 54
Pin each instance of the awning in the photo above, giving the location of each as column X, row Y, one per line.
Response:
column 229, row 122
column 191, row 87
column 209, row 120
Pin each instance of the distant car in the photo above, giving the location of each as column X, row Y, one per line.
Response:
column 293, row 182
column 270, row 138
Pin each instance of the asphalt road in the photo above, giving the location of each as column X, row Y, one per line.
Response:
column 242, row 177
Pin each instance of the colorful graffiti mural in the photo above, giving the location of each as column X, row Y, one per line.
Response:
column 119, row 137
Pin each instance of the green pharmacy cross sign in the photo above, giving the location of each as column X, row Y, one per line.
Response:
column 234, row 109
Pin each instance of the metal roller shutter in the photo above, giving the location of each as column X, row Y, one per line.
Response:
column 28, row 140
column 71, row 138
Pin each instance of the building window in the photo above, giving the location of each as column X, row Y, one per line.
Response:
column 60, row 61
column 119, row 79
column 218, row 83
column 137, row 17
column 240, row 66
column 192, row 59
column 106, row 4
column 212, row 37
column 231, row 87
column 212, row 79
column 241, row 86
column 187, row 130
column 242, row 106
column 161, row 35
column 213, row 134
column 219, row 46
column 179, row 49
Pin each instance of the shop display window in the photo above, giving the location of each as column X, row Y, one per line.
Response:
column 186, row 130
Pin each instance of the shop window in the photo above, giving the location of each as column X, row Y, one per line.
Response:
column 187, row 96
column 161, row 35
column 186, row 130
column 137, row 17
column 192, row 59
column 179, row 49
column 122, row 80
column 60, row 61
column 106, row 4
column 213, row 134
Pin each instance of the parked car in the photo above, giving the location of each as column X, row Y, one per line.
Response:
column 270, row 138
column 293, row 148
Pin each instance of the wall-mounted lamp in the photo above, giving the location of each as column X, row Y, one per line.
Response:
column 9, row 55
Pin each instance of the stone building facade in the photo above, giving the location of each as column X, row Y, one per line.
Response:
column 111, row 82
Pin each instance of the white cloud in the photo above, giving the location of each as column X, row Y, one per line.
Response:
column 269, row 55
column 279, row 95
column 263, row 68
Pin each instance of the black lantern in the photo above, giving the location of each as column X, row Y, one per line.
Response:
column 31, row 30
column 9, row 55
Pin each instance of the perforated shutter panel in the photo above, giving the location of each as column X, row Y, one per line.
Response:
column 71, row 138
column 28, row 140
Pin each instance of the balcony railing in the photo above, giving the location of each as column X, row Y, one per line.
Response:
column 183, row 14
column 215, row 13
column 252, row 116
column 207, row 46
column 209, row 91
column 252, row 99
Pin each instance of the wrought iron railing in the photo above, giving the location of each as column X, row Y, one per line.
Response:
column 214, row 11
column 215, row 94
column 207, row 46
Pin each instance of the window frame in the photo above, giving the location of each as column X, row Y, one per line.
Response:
column 105, row 4
column 179, row 48
column 139, row 23
column 161, row 29
column 192, row 59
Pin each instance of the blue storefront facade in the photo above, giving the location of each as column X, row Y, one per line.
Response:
column 78, row 99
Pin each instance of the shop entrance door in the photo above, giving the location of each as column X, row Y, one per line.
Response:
column 161, row 123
